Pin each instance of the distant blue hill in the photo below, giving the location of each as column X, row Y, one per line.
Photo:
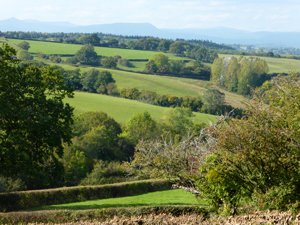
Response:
column 218, row 35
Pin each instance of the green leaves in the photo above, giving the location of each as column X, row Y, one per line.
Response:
column 34, row 120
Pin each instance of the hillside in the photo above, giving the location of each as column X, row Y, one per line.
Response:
column 71, row 49
column 121, row 109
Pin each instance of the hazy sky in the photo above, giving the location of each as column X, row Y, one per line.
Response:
column 252, row 15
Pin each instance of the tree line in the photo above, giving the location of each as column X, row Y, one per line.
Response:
column 160, row 63
column 196, row 49
column 241, row 74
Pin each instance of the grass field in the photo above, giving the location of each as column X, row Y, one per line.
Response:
column 159, row 84
column 121, row 109
column 62, row 48
column 136, row 66
column 277, row 65
column 169, row 197
column 164, row 85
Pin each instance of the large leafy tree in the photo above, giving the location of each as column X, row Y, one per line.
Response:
column 87, row 55
column 34, row 121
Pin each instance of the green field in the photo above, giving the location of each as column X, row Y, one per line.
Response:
column 169, row 197
column 121, row 109
column 62, row 48
column 277, row 65
column 136, row 66
column 159, row 84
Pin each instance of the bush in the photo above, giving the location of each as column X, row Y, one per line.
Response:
column 29, row 199
column 256, row 159
column 24, row 45
column 106, row 173
column 123, row 62
column 24, row 56
column 109, row 62
column 55, row 58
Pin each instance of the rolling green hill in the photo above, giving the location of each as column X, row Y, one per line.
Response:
column 62, row 48
column 121, row 109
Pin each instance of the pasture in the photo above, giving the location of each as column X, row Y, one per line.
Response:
column 164, row 85
column 158, row 198
column 122, row 109
column 277, row 65
column 62, row 49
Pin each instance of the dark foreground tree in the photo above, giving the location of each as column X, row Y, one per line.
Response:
column 34, row 121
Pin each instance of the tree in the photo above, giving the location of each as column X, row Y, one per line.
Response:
column 177, row 48
column 141, row 126
column 34, row 119
column 158, row 62
column 109, row 62
column 164, row 45
column 24, row 56
column 24, row 45
column 177, row 121
column 113, row 43
column 212, row 99
column 86, row 55
column 93, row 79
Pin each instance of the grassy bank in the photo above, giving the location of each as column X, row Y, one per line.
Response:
column 121, row 109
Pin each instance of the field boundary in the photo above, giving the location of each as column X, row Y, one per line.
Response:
column 64, row 216
column 29, row 199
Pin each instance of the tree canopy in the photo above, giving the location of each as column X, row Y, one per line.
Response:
column 24, row 45
column 34, row 119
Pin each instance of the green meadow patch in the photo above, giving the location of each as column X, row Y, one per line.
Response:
column 122, row 109
column 158, row 198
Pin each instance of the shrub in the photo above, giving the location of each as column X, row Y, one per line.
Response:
column 106, row 173
column 29, row 199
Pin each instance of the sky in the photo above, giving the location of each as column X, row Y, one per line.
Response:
column 251, row 15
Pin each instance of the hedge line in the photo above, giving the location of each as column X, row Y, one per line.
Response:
column 65, row 216
column 30, row 199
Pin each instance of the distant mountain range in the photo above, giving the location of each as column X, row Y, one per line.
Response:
column 218, row 35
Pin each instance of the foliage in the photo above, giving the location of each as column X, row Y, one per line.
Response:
column 24, row 56
column 257, row 158
column 91, row 39
column 55, row 58
column 75, row 166
column 42, row 55
column 29, row 199
column 106, row 173
column 124, row 62
column 34, row 120
column 212, row 99
column 94, row 79
column 131, row 93
column 160, row 61
column 201, row 53
column 84, row 122
column 96, row 134
column 177, row 122
column 175, row 161
column 177, row 48
column 85, row 55
column 24, row 45
column 239, row 75
column 8, row 184
column 141, row 126
column 109, row 62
